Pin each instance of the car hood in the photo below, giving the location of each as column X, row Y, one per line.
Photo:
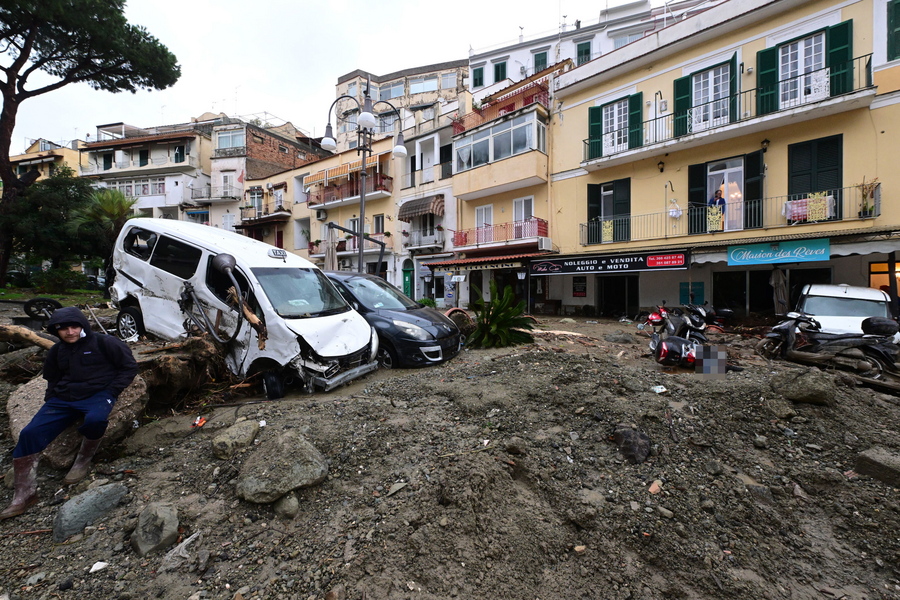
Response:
column 427, row 318
column 840, row 324
column 333, row 335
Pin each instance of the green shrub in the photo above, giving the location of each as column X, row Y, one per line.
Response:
column 500, row 322
column 59, row 281
column 428, row 302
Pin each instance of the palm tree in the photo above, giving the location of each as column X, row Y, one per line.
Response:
column 104, row 216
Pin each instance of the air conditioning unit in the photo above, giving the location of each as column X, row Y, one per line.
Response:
column 545, row 243
column 321, row 214
column 344, row 263
column 269, row 186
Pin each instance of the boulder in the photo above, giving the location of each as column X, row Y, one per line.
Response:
column 240, row 435
column 25, row 401
column 282, row 463
column 811, row 386
column 157, row 528
column 86, row 508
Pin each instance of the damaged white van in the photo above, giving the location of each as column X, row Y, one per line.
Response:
column 290, row 324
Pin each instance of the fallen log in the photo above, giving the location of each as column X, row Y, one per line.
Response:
column 22, row 335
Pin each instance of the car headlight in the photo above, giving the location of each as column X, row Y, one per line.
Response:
column 413, row 331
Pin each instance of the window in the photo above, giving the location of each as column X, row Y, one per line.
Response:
column 499, row 71
column 348, row 123
column 706, row 98
column 478, row 77
column 178, row 155
column 378, row 224
column 176, row 257
column 351, row 89
column 283, row 149
column 583, row 52
column 514, row 136
column 740, row 180
column 391, row 90
column 417, row 85
column 807, row 69
column 448, row 81
column 815, row 167
column 484, row 219
column 107, row 162
column 893, row 31
column 626, row 39
column 139, row 242
column 523, row 212
column 231, row 139
column 609, row 212
column 615, row 127
column 143, row 158
column 540, row 61
column 255, row 198
column 387, row 122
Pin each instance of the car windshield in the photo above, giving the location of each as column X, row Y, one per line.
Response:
column 300, row 293
column 377, row 294
column 844, row 307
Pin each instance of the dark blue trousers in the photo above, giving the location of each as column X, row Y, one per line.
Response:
column 55, row 415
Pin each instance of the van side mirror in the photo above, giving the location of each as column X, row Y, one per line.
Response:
column 224, row 263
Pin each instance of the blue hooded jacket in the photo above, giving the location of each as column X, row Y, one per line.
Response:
column 95, row 363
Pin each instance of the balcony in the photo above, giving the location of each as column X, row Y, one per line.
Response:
column 220, row 193
column 846, row 86
column 512, row 173
column 350, row 246
column 534, row 93
column 377, row 186
column 150, row 167
column 266, row 212
column 822, row 209
column 530, row 231
column 421, row 239
column 429, row 175
column 229, row 152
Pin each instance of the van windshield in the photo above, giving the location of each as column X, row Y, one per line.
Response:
column 844, row 307
column 300, row 293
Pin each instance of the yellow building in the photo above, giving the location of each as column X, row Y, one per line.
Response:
column 785, row 109
column 45, row 158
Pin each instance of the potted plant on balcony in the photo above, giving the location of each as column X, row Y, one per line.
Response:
column 386, row 234
column 867, row 204
column 439, row 228
column 405, row 233
column 314, row 246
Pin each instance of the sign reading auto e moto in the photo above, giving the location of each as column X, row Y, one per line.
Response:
column 612, row 263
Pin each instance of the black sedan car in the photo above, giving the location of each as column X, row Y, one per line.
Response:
column 410, row 335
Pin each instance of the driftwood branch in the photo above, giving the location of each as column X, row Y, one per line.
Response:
column 23, row 335
column 251, row 317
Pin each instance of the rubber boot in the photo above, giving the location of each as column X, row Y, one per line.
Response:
column 25, row 494
column 82, row 463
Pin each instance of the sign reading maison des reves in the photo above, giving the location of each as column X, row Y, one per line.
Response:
column 656, row 261
column 780, row 252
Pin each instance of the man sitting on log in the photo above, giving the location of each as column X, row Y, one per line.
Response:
column 85, row 374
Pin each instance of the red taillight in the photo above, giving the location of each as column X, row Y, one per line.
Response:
column 655, row 318
column 690, row 357
column 663, row 351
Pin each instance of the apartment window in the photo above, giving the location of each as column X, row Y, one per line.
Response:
column 143, row 158
column 348, row 123
column 540, row 61
column 157, row 186
column 893, row 32
column 609, row 212
column 583, row 52
column 417, row 85
column 484, row 219
column 391, row 90
column 707, row 98
column 283, row 149
column 478, row 77
column 255, row 198
column 523, row 213
column 448, row 81
column 179, row 154
column 615, row 126
column 351, row 89
column 626, row 39
column 378, row 224
column 499, row 71
column 107, row 162
column 230, row 139
column 387, row 122
column 740, row 179
column 807, row 69
column 816, row 166
column 504, row 139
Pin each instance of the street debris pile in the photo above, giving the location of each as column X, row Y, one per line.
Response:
column 573, row 467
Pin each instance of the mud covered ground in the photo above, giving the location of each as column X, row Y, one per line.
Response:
column 496, row 476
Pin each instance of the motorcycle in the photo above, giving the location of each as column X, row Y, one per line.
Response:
column 669, row 348
column 714, row 318
column 870, row 356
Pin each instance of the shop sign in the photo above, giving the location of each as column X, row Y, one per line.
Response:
column 579, row 287
column 667, row 261
column 780, row 252
column 490, row 266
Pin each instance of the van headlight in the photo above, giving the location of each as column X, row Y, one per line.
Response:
column 413, row 331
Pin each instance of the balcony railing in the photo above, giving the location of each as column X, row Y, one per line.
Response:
column 350, row 189
column 502, row 232
column 535, row 92
column 804, row 90
column 826, row 207
column 352, row 244
column 265, row 209
column 216, row 191
column 227, row 152
column 137, row 164
column 423, row 237
column 422, row 176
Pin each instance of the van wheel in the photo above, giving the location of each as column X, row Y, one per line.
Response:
column 273, row 385
column 130, row 323
column 41, row 308
column 387, row 357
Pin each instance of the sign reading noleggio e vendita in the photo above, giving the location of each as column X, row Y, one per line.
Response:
column 657, row 261
column 780, row 252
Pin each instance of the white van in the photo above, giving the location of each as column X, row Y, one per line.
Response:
column 173, row 279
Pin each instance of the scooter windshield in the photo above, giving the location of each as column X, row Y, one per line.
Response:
column 300, row 293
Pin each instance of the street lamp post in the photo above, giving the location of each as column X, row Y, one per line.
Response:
column 365, row 128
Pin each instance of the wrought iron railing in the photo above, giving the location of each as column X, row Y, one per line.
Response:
column 803, row 90
column 502, row 232
column 264, row 209
column 424, row 237
column 535, row 92
column 827, row 206
column 350, row 189
column 216, row 191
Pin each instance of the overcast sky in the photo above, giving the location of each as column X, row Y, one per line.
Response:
column 283, row 57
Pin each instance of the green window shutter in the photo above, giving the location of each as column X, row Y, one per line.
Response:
column 893, row 20
column 594, row 213
column 697, row 198
column 754, row 172
column 595, row 132
column 815, row 166
column 477, row 77
column 766, row 81
column 622, row 210
column 839, row 57
column 636, row 120
column 733, row 104
column 682, row 104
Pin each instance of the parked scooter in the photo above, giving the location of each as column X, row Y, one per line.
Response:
column 714, row 318
column 870, row 356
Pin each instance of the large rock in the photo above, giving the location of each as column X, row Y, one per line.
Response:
column 24, row 403
column 280, row 464
column 157, row 528
column 86, row 508
column 240, row 435
column 805, row 385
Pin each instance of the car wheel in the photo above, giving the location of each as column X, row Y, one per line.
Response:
column 387, row 357
column 273, row 385
column 41, row 308
column 129, row 323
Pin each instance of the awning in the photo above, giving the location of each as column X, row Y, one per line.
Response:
column 510, row 261
column 343, row 170
column 422, row 206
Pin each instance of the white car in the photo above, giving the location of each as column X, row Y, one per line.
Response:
column 843, row 308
